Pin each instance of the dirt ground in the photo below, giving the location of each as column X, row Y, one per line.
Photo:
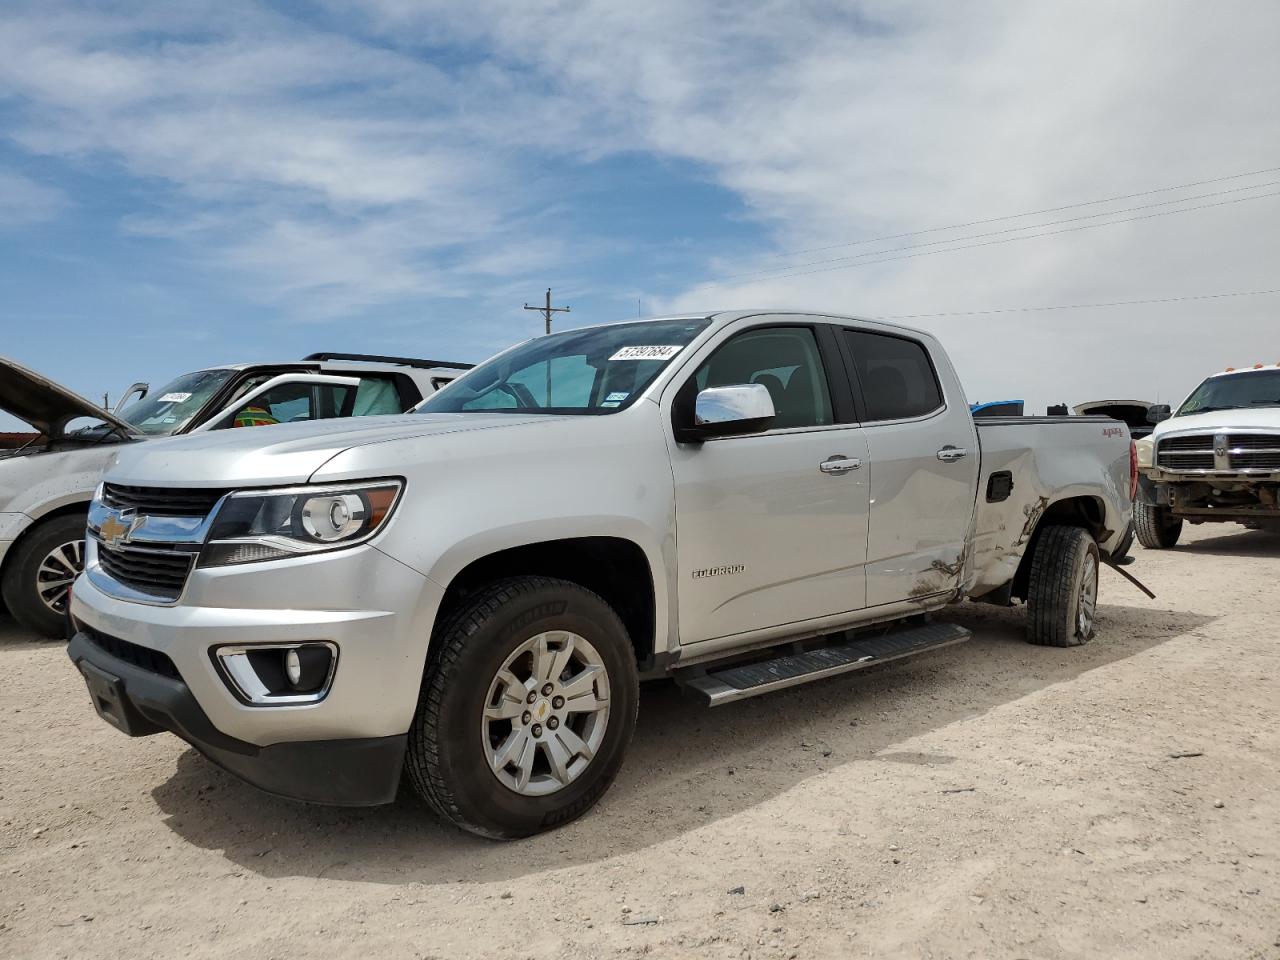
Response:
column 988, row 800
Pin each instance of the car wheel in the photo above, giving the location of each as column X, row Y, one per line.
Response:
column 1156, row 529
column 1062, row 591
column 527, row 707
column 39, row 573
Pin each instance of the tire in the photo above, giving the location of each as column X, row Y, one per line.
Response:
column 456, row 748
column 32, row 574
column 1062, row 591
column 1156, row 529
column 1126, row 543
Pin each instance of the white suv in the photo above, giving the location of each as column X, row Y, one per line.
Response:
column 46, row 484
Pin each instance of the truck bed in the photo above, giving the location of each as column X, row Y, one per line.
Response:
column 1047, row 459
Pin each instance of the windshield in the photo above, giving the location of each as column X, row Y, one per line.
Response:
column 1253, row 388
column 170, row 408
column 580, row 372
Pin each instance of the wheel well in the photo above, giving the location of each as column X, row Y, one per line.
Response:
column 614, row 568
column 66, row 510
column 1086, row 512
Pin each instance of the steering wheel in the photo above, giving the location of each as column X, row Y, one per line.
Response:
column 520, row 393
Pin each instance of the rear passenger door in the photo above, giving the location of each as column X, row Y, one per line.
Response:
column 923, row 452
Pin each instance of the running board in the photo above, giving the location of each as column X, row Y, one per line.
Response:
column 717, row 687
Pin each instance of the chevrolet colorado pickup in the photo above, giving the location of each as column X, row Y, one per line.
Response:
column 473, row 592
column 1216, row 460
column 46, row 484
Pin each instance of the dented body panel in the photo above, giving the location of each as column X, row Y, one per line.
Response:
column 772, row 533
column 1049, row 460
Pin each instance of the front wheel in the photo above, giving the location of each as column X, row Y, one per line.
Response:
column 39, row 574
column 1156, row 529
column 1062, row 592
column 527, row 707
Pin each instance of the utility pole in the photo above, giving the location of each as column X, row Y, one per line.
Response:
column 548, row 310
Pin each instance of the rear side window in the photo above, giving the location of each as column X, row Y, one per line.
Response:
column 375, row 396
column 896, row 375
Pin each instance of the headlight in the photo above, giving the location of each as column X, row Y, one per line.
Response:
column 1144, row 448
column 269, row 524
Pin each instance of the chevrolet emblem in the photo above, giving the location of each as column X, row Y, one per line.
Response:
column 119, row 527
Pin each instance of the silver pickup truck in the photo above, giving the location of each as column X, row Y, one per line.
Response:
column 473, row 592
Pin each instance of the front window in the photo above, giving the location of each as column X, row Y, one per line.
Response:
column 1253, row 388
column 588, row 372
column 170, row 408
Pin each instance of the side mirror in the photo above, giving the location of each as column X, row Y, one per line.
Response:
column 1158, row 412
column 729, row 411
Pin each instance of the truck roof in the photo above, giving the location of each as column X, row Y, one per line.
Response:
column 721, row 317
column 1256, row 368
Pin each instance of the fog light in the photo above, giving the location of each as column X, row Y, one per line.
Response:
column 279, row 674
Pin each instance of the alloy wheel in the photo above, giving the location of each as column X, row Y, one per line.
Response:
column 546, row 713
column 58, row 570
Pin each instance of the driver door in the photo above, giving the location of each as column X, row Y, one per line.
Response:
column 771, row 528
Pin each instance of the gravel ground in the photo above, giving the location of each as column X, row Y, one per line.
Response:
column 988, row 800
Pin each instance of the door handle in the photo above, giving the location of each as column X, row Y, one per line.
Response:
column 839, row 464
column 950, row 454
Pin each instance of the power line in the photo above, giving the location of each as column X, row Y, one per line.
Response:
column 1007, row 230
column 989, row 243
column 1077, row 306
column 1030, row 213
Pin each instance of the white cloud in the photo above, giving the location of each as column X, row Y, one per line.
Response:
column 838, row 123
column 345, row 166
column 23, row 201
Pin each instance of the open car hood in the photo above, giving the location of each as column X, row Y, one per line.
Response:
column 46, row 405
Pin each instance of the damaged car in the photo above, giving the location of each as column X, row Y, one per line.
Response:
column 47, row 478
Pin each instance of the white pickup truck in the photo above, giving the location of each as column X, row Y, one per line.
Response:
column 473, row 592
column 1215, row 460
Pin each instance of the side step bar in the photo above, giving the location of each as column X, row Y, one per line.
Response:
column 717, row 687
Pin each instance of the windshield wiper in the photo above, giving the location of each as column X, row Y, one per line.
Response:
column 1264, row 403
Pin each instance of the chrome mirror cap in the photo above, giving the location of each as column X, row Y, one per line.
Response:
column 719, row 405
column 729, row 411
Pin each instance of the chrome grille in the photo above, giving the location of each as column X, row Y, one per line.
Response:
column 155, row 571
column 1186, row 453
column 162, row 501
column 1245, row 451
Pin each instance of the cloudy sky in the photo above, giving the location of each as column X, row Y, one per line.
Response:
column 194, row 182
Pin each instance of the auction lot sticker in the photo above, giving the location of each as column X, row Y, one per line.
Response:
column 646, row 353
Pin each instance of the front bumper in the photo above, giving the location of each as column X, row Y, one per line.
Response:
column 374, row 610
column 140, row 702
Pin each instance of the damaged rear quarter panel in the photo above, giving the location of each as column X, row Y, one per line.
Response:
column 1051, row 461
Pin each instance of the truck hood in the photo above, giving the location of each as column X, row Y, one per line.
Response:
column 282, row 453
column 46, row 405
column 1243, row 418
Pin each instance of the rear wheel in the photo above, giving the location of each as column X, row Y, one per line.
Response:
column 39, row 573
column 1157, row 530
column 1062, row 592
column 527, row 707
